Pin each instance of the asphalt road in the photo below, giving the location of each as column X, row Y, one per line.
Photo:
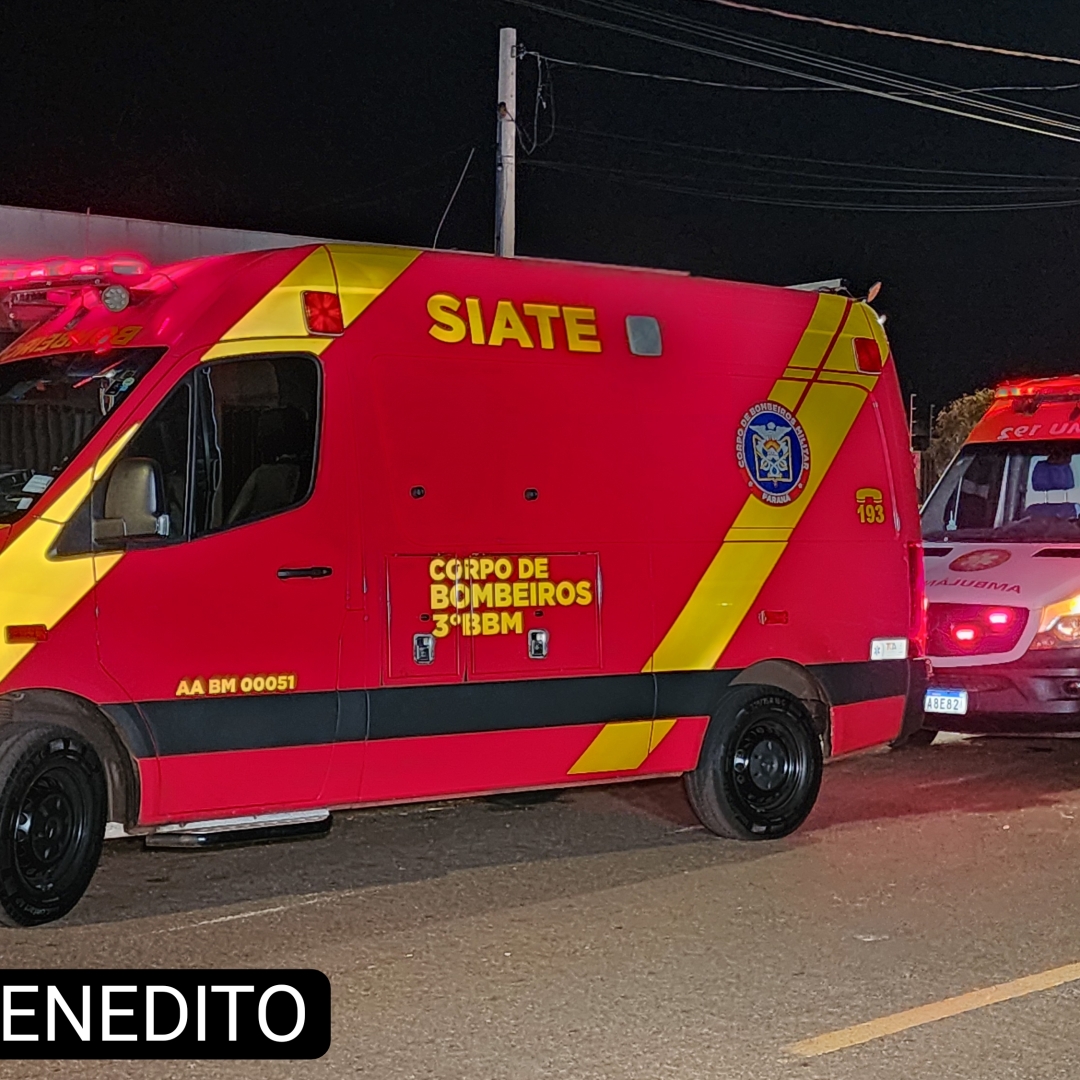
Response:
column 604, row 935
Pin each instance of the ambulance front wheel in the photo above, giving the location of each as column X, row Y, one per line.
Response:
column 52, row 823
column 760, row 767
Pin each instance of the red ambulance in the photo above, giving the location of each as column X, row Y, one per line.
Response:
column 1002, row 544
column 342, row 525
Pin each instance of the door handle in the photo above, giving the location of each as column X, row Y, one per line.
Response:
column 304, row 571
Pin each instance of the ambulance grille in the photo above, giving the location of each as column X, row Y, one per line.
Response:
column 973, row 629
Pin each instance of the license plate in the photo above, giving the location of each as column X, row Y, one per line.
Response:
column 946, row 701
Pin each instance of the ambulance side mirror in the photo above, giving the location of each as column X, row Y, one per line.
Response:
column 133, row 500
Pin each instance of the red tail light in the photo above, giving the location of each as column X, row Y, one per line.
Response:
column 917, row 591
column 322, row 313
column 868, row 356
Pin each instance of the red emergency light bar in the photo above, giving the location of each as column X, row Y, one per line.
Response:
column 69, row 270
column 31, row 292
column 1064, row 386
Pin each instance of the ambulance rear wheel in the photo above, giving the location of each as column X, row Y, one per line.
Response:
column 52, row 823
column 760, row 767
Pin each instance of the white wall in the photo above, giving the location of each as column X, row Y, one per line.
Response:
column 40, row 234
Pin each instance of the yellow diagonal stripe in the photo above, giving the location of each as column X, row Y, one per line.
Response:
column 820, row 330
column 248, row 346
column 660, row 728
column 718, row 605
column 622, row 746
column 280, row 313
column 760, row 533
column 358, row 273
column 617, row 747
column 364, row 271
column 34, row 586
column 937, row 1010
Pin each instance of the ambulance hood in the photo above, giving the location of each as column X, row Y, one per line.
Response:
column 1030, row 576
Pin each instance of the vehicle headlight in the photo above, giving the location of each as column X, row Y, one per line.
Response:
column 1059, row 627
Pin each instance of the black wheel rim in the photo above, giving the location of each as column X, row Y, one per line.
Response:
column 770, row 765
column 50, row 828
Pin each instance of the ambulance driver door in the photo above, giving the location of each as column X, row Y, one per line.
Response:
column 222, row 614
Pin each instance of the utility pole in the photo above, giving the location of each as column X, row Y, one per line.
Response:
column 507, row 138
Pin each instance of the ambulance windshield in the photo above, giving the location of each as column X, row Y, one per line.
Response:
column 1003, row 492
column 49, row 408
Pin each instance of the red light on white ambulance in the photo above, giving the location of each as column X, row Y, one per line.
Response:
column 322, row 313
column 965, row 635
column 999, row 618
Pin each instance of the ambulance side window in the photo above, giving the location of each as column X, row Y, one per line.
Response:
column 162, row 441
column 255, row 439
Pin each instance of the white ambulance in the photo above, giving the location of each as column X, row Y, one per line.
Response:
column 1001, row 537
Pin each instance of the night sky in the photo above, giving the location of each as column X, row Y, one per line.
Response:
column 353, row 121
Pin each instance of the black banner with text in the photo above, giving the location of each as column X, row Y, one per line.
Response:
column 157, row 1014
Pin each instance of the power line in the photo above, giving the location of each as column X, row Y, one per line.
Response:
column 884, row 184
column 879, row 32
column 848, row 68
column 649, row 181
column 684, row 79
column 594, row 133
column 562, row 62
column 954, row 93
column 360, row 198
column 867, row 70
column 866, row 183
column 1044, row 86
column 457, row 188
column 765, row 44
column 825, row 80
column 543, row 105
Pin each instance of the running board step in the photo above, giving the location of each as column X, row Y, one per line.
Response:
column 233, row 832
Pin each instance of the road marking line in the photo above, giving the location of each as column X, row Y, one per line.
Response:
column 939, row 1010
column 322, row 898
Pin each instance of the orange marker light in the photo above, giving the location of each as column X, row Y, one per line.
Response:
column 26, row 633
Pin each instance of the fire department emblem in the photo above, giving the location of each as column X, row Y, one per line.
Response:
column 984, row 559
column 772, row 450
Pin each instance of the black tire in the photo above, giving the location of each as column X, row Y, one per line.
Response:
column 923, row 736
column 760, row 767
column 52, row 823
